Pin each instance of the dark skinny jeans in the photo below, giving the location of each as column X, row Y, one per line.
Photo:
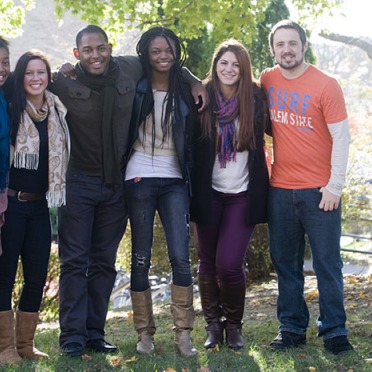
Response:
column 26, row 234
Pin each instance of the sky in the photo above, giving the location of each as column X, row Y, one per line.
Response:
column 353, row 18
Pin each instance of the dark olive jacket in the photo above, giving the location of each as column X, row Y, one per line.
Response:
column 205, row 155
column 84, row 117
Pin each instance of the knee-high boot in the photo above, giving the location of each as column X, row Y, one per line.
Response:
column 233, row 299
column 8, row 352
column 25, row 333
column 143, row 320
column 212, row 310
column 183, row 319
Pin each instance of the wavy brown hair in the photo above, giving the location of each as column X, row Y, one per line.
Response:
column 244, row 93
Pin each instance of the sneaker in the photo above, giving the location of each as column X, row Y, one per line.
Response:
column 286, row 340
column 337, row 345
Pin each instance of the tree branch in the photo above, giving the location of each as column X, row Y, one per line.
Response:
column 362, row 43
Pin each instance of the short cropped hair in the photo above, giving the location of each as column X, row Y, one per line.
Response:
column 90, row 29
column 286, row 23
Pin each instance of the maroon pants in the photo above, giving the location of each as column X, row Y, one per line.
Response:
column 222, row 246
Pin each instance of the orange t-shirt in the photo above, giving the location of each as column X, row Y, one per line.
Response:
column 300, row 110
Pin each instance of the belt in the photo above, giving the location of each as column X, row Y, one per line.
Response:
column 26, row 196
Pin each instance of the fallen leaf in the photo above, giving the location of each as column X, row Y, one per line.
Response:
column 302, row 355
column 350, row 279
column 312, row 295
column 214, row 350
column 203, row 369
column 312, row 369
column 363, row 296
column 170, row 370
column 116, row 361
column 86, row 357
column 261, row 315
column 254, row 303
column 159, row 349
column 132, row 359
column 185, row 370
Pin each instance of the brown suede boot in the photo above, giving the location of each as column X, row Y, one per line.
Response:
column 183, row 319
column 143, row 320
column 25, row 332
column 212, row 310
column 233, row 300
column 8, row 352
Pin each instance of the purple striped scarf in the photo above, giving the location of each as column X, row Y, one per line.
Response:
column 226, row 113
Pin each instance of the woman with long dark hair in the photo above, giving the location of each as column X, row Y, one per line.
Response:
column 229, row 189
column 158, row 179
column 4, row 130
column 8, row 353
column 39, row 155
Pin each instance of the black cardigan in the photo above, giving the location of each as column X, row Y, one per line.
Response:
column 182, row 128
column 205, row 154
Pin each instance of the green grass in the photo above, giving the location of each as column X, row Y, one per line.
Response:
column 260, row 327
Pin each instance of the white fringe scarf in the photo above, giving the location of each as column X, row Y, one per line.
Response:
column 26, row 151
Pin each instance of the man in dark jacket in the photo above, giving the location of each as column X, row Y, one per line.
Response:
column 92, row 223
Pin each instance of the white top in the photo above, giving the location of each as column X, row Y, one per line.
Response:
column 145, row 165
column 235, row 177
column 164, row 162
column 144, row 140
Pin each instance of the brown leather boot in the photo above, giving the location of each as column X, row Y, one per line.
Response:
column 143, row 320
column 233, row 300
column 183, row 318
column 212, row 310
column 8, row 352
column 25, row 332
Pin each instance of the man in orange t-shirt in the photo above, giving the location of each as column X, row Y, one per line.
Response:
column 310, row 141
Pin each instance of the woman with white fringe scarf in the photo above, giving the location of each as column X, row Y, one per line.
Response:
column 40, row 147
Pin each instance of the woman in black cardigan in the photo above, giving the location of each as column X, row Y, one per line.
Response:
column 158, row 179
column 230, row 188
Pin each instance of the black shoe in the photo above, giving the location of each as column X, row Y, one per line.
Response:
column 337, row 345
column 286, row 340
column 101, row 346
column 73, row 350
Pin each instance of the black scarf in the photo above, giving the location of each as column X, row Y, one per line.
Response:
column 106, row 83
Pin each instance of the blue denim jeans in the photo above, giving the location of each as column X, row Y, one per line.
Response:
column 90, row 228
column 26, row 234
column 168, row 196
column 292, row 214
